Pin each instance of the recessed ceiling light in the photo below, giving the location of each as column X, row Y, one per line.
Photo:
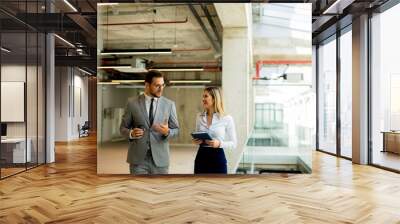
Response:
column 84, row 71
column 70, row 5
column 128, row 81
column 336, row 6
column 64, row 40
column 5, row 50
column 107, row 4
column 190, row 81
column 114, row 66
column 178, row 69
column 137, row 51
column 108, row 83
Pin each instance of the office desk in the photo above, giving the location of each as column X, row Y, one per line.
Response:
column 13, row 150
column 391, row 141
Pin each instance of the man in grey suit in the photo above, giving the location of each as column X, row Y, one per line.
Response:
column 149, row 121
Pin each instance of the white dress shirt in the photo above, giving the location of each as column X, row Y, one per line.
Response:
column 147, row 100
column 221, row 128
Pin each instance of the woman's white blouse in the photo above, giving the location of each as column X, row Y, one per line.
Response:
column 222, row 129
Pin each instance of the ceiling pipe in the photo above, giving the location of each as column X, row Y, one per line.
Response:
column 145, row 23
column 147, row 10
column 211, row 22
column 196, row 15
column 212, row 69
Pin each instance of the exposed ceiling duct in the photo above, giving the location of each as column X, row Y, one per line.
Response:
column 215, row 44
column 212, row 24
column 144, row 23
column 172, row 26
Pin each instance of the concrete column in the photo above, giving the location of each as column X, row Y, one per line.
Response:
column 235, row 86
column 360, row 90
column 99, row 90
column 50, row 99
column 50, row 91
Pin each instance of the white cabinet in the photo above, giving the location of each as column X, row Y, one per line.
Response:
column 18, row 149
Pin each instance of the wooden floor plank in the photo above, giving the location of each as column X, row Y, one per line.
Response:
column 70, row 191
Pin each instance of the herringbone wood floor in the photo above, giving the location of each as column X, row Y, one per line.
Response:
column 69, row 191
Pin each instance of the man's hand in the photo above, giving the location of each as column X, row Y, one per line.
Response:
column 213, row 143
column 161, row 128
column 137, row 133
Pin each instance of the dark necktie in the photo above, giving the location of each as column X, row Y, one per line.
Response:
column 151, row 116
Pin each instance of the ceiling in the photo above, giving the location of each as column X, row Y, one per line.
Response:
column 331, row 15
column 77, row 27
column 281, row 31
column 192, row 31
column 186, row 29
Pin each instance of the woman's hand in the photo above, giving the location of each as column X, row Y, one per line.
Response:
column 197, row 141
column 213, row 143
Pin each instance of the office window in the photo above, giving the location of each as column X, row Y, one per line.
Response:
column 346, row 94
column 14, row 151
column 385, row 87
column 327, row 96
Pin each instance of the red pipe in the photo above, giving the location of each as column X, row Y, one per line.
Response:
column 212, row 69
column 144, row 23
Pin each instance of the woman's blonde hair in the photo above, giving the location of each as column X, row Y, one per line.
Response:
column 216, row 94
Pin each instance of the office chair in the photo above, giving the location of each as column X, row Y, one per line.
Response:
column 84, row 130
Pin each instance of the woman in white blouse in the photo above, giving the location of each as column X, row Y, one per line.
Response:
column 210, row 157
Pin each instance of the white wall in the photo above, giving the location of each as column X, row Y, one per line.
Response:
column 80, row 96
column 71, row 93
column 61, row 103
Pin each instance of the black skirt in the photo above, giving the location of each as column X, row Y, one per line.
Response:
column 210, row 160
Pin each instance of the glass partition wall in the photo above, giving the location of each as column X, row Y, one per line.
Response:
column 22, row 77
column 334, row 73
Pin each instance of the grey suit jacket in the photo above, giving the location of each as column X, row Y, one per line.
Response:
column 136, row 116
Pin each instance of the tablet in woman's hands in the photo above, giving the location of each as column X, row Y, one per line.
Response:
column 201, row 135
